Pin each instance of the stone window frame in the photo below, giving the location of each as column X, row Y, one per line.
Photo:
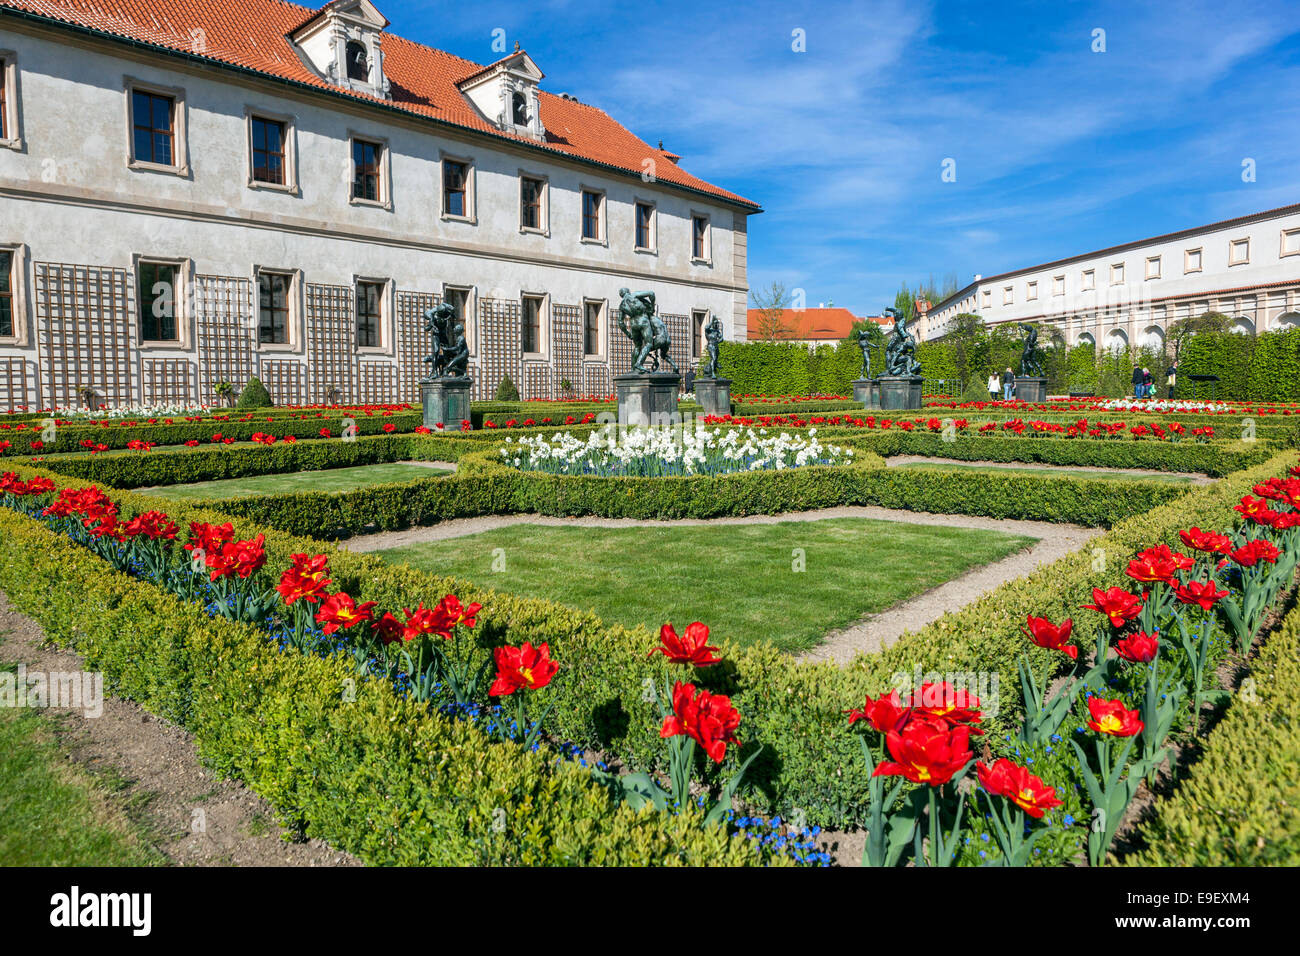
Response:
column 1088, row 280
column 1008, row 295
column 602, row 330
column 653, row 248
column 544, row 212
column 1199, row 252
column 471, row 188
column 1159, row 267
column 385, row 200
column 602, row 218
column 180, row 127
column 19, row 281
column 471, row 312
column 1031, row 290
column 183, row 298
column 297, row 310
column 707, row 258
column 387, row 314
column 1232, row 251
column 1284, row 235
column 544, row 320
column 697, row 340
column 13, row 118
column 1118, row 269
column 290, row 123
column 1058, row 284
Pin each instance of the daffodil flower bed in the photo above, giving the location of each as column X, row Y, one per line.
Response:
column 664, row 452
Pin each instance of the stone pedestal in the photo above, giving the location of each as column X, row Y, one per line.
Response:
column 898, row 392
column 446, row 402
column 867, row 391
column 714, row 394
column 649, row 398
column 1031, row 389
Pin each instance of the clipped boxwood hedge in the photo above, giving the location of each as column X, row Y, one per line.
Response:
column 377, row 776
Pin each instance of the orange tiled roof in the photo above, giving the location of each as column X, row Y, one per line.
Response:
column 253, row 35
column 803, row 324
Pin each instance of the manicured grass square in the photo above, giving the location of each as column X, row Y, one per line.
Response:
column 332, row 480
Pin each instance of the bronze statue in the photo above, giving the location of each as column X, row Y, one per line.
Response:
column 900, row 350
column 638, row 321
column 712, row 336
column 458, row 354
column 440, row 322
column 1030, row 367
column 864, row 343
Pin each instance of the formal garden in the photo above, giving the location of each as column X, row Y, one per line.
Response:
column 803, row 632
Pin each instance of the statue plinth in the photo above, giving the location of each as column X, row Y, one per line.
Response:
column 446, row 402
column 649, row 398
column 898, row 392
column 714, row 394
column 867, row 391
column 1031, row 388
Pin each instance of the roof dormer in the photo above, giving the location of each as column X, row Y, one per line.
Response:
column 343, row 43
column 506, row 94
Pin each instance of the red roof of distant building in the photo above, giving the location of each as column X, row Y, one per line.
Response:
column 253, row 35
column 806, row 324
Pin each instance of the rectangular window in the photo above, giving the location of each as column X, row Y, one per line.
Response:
column 1238, row 252
column 1192, row 260
column 1291, row 242
column 455, row 195
column 531, row 326
column 986, row 298
column 458, row 299
column 1008, row 295
column 699, row 237
column 697, row 329
column 1117, row 273
column 268, row 151
column 159, row 291
column 367, row 170
column 1153, row 267
column 591, row 328
column 1058, row 285
column 153, row 128
column 370, row 310
column 530, row 203
column 1031, row 291
column 7, row 283
column 1088, row 280
column 274, row 289
column 591, row 214
column 644, row 221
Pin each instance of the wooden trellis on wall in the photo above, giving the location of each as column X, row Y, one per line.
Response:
column 566, row 345
column 168, row 381
column 226, row 326
column 413, row 343
column 500, row 353
column 331, row 343
column 376, row 383
column 284, row 381
column 86, row 332
column 19, row 385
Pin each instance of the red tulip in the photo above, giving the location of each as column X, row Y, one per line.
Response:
column 886, row 713
column 1253, row 552
column 708, row 719
column 1208, row 541
column 1254, row 509
column 1139, row 648
column 946, row 703
column 339, row 611
column 1047, row 635
column 387, row 628
column 1017, row 784
column 1203, row 593
column 305, row 580
column 690, row 648
column 425, row 621
column 1116, row 603
column 457, row 613
column 522, row 667
column 1113, row 718
column 1157, row 564
column 926, row 751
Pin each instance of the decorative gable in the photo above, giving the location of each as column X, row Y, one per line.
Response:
column 506, row 93
column 343, row 44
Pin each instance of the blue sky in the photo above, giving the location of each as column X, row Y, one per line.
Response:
column 1058, row 149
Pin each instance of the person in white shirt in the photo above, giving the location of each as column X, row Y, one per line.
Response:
column 994, row 386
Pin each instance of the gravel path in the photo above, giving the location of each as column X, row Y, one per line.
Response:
column 166, row 779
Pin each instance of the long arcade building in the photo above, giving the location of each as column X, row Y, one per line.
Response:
column 198, row 193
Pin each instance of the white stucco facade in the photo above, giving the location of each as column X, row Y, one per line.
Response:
column 78, row 215
column 1247, row 268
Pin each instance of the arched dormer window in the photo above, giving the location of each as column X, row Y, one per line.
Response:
column 358, row 61
column 519, row 107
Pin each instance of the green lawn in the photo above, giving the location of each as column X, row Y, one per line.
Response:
column 333, row 479
column 51, row 812
column 1052, row 472
column 738, row 579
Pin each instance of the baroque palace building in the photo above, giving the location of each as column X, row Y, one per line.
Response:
column 194, row 193
column 1246, row 268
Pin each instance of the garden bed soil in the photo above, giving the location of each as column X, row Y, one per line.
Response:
column 165, row 782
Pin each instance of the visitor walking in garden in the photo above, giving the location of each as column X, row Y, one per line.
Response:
column 1171, row 374
column 1137, row 381
column 1008, row 385
column 1148, row 383
column 994, row 386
